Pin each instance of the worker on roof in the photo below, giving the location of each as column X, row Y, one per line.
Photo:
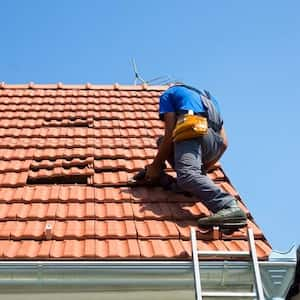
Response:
column 194, row 140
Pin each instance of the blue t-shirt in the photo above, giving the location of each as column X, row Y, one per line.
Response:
column 180, row 98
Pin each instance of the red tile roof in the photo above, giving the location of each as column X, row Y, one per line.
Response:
column 66, row 153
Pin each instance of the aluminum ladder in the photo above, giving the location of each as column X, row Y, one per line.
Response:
column 258, row 294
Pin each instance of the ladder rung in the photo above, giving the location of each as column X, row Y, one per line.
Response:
column 229, row 294
column 223, row 253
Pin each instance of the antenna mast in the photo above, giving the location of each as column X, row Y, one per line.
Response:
column 136, row 74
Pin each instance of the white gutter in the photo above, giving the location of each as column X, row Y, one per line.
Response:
column 99, row 276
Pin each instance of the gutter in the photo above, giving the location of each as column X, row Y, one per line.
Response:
column 100, row 276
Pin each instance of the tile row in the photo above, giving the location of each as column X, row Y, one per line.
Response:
column 83, row 193
column 14, row 165
column 44, row 168
column 118, row 249
column 121, row 164
column 80, row 122
column 68, row 211
column 57, row 92
column 71, row 153
column 109, row 229
column 184, row 214
column 50, row 164
column 24, row 165
column 61, row 132
column 106, row 210
column 122, row 177
column 75, row 107
column 13, row 179
column 117, row 171
column 60, row 171
column 97, row 115
column 77, row 142
column 13, row 102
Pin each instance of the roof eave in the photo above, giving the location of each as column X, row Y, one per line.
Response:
column 86, row 86
column 103, row 276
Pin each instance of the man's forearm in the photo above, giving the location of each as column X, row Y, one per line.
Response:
column 164, row 151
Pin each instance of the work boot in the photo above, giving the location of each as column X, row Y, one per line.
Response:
column 231, row 216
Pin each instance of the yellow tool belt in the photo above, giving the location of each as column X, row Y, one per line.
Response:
column 189, row 127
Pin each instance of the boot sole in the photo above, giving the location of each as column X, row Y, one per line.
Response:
column 225, row 222
column 233, row 225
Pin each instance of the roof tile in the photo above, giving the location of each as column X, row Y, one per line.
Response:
column 117, row 249
column 114, row 211
column 115, row 229
column 110, row 178
column 156, row 229
column 10, row 249
column 155, row 249
column 43, row 249
column 12, row 179
column 14, row 166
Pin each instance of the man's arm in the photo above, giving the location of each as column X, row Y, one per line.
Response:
column 165, row 148
column 223, row 135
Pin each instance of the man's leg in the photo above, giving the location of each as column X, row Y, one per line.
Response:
column 188, row 163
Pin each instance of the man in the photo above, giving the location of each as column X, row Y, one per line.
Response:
column 193, row 157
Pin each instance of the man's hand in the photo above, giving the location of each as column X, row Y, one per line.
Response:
column 152, row 173
column 210, row 166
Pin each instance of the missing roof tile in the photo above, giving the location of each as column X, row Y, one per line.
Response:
column 61, row 171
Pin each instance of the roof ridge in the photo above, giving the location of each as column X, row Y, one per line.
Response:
column 87, row 86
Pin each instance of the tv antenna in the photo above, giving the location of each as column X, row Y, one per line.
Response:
column 161, row 80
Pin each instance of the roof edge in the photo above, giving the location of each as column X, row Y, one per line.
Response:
column 86, row 86
column 124, row 275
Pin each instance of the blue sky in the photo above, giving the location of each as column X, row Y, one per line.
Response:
column 245, row 52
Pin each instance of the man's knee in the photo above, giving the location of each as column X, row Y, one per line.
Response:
column 186, row 179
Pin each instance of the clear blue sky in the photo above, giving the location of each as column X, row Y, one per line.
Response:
column 247, row 53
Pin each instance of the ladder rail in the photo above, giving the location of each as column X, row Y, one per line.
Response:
column 257, row 276
column 197, row 279
column 258, row 294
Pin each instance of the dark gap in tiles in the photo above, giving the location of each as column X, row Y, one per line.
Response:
column 84, row 125
column 68, row 122
column 37, row 168
column 113, row 170
column 70, row 179
column 78, row 166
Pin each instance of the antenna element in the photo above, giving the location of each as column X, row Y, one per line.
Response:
column 166, row 79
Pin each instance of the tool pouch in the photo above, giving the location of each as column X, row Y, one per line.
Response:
column 189, row 127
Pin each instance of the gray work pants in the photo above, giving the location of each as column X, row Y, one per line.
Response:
column 189, row 156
